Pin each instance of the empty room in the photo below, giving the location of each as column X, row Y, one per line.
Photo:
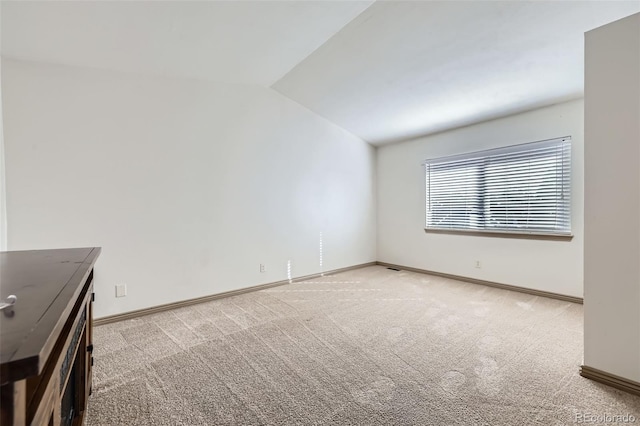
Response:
column 319, row 212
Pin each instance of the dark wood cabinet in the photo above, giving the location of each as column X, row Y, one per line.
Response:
column 45, row 337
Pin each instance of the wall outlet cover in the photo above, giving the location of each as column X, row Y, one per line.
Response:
column 121, row 290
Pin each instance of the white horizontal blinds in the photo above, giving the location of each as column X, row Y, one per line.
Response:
column 453, row 198
column 530, row 189
column 522, row 188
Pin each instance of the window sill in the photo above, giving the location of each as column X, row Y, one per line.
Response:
column 501, row 234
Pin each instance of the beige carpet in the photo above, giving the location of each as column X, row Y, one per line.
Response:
column 366, row 347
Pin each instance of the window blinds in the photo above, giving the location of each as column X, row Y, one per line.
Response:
column 517, row 189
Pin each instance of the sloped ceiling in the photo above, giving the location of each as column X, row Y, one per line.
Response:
column 385, row 71
column 254, row 42
column 403, row 69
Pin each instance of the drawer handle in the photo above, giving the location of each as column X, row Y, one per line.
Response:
column 11, row 300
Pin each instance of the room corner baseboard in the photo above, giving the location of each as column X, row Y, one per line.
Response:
column 174, row 305
column 612, row 380
column 548, row 294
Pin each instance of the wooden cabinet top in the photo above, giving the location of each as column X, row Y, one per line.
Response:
column 47, row 284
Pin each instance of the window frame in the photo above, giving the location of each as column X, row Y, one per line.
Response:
column 528, row 233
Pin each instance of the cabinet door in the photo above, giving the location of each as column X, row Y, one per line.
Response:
column 13, row 402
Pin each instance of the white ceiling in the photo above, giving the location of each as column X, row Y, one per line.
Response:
column 403, row 69
column 385, row 71
column 253, row 42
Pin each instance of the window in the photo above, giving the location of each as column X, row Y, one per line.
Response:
column 517, row 189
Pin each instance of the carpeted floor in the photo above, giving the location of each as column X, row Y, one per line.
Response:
column 366, row 347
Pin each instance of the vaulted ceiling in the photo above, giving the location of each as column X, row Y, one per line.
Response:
column 254, row 42
column 385, row 71
column 403, row 69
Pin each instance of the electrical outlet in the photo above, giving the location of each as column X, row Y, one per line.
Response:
column 121, row 290
column 263, row 268
column 478, row 265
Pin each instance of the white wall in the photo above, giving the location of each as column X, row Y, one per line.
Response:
column 612, row 200
column 554, row 266
column 3, row 206
column 3, row 199
column 188, row 186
